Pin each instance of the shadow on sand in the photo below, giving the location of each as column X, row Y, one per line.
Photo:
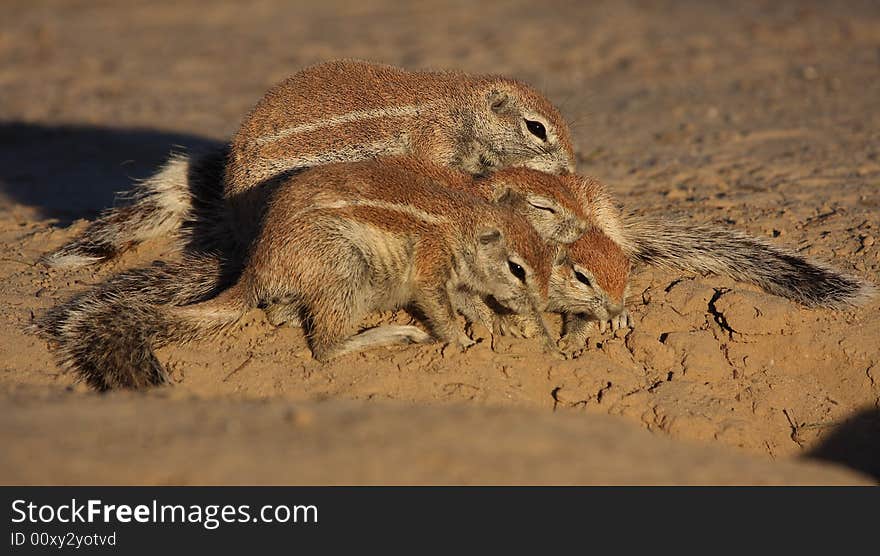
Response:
column 73, row 171
column 855, row 444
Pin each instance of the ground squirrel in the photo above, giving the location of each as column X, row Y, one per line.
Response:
column 587, row 283
column 590, row 285
column 334, row 112
column 338, row 241
column 590, row 288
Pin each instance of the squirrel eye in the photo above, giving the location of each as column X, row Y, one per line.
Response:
column 517, row 271
column 582, row 278
column 537, row 129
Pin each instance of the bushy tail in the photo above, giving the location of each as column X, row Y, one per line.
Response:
column 713, row 249
column 157, row 206
column 107, row 335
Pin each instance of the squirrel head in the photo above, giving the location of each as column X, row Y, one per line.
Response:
column 591, row 278
column 545, row 201
column 516, row 126
column 513, row 263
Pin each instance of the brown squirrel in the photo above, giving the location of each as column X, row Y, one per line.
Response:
column 337, row 242
column 587, row 282
column 590, row 288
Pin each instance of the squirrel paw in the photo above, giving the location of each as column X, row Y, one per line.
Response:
column 555, row 352
column 463, row 342
column 511, row 325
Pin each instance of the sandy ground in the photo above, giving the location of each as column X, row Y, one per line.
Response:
column 761, row 115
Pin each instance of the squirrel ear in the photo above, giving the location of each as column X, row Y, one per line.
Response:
column 498, row 100
column 489, row 236
column 501, row 192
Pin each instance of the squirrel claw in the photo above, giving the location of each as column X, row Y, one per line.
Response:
column 623, row 320
column 509, row 326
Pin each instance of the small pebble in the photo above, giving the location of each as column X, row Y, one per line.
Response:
column 809, row 73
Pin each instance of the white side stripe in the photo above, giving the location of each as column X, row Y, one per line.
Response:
column 351, row 153
column 405, row 209
column 387, row 112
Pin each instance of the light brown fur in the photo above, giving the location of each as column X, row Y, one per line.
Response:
column 606, row 261
column 588, row 286
column 547, row 201
column 600, row 208
column 337, row 242
column 343, row 240
column 566, row 209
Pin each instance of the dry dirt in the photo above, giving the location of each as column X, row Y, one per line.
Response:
column 761, row 115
